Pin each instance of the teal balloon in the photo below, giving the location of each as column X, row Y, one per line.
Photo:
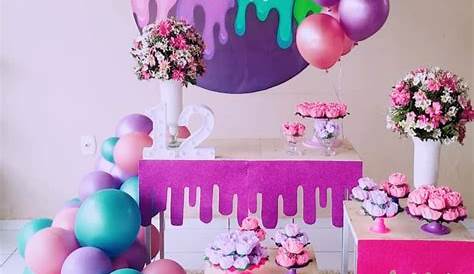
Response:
column 109, row 220
column 107, row 150
column 29, row 230
column 126, row 271
column 27, row 271
column 130, row 187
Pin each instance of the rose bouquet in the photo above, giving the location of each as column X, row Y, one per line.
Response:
column 253, row 224
column 321, row 110
column 171, row 49
column 361, row 191
column 236, row 251
column 293, row 132
column 380, row 206
column 430, row 104
column 292, row 251
column 436, row 205
column 396, row 186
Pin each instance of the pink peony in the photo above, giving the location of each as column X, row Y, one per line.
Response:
column 303, row 258
column 433, row 85
column 284, row 260
column 418, row 196
column 293, row 245
column 332, row 112
column 250, row 223
column 400, row 98
column 398, row 191
column 414, row 209
column 398, row 179
column 453, row 199
column 317, row 110
column 450, row 214
column 430, row 214
column 178, row 75
column 179, row 42
column 462, row 211
column 436, row 201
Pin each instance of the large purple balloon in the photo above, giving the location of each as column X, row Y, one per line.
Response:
column 327, row 3
column 134, row 123
column 95, row 181
column 87, row 260
column 361, row 19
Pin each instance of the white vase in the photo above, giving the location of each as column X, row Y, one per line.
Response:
column 172, row 97
column 426, row 162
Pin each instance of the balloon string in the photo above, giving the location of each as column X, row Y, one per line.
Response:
column 337, row 87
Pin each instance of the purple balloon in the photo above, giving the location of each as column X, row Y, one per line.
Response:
column 87, row 260
column 361, row 19
column 95, row 181
column 119, row 174
column 136, row 256
column 134, row 123
column 327, row 3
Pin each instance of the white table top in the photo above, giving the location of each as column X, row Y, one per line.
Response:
column 274, row 149
column 269, row 268
column 402, row 226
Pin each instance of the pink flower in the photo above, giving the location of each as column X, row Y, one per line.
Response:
column 398, row 191
column 261, row 234
column 462, row 211
column 398, row 179
column 283, row 259
column 292, row 245
column 450, row 214
column 293, row 129
column 145, row 75
column 164, row 28
column 178, row 75
column 303, row 258
column 418, row 196
column 332, row 111
column 430, row 214
column 179, row 42
column 250, row 223
column 302, row 109
column 400, row 98
column 433, row 85
column 317, row 110
column 436, row 201
column 414, row 209
column 453, row 199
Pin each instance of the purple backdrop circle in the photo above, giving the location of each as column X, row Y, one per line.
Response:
column 248, row 63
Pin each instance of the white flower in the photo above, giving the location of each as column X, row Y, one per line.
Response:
column 423, row 104
column 436, row 133
column 452, row 111
column 446, row 98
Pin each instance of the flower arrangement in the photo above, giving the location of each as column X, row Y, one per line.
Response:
column 327, row 129
column 396, row 186
column 253, row 224
column 292, row 243
column 379, row 205
column 440, row 204
column 293, row 131
column 361, row 191
column 430, row 104
column 171, row 49
column 321, row 110
column 237, row 250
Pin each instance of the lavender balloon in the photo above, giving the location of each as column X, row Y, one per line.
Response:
column 134, row 123
column 95, row 181
column 87, row 260
column 361, row 19
column 327, row 3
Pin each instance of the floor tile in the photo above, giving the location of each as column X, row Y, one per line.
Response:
column 7, row 241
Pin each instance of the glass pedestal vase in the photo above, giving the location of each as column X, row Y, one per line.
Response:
column 436, row 228
column 320, row 123
column 292, row 145
column 172, row 97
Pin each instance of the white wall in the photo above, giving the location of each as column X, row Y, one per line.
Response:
column 66, row 72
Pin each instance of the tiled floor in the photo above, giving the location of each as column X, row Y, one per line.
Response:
column 12, row 263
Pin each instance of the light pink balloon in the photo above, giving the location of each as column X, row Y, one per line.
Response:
column 320, row 40
column 66, row 218
column 47, row 250
column 155, row 239
column 348, row 44
column 164, row 266
column 129, row 151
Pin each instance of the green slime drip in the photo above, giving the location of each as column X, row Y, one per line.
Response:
column 263, row 7
column 303, row 8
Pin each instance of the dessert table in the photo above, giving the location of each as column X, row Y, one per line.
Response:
column 406, row 248
column 243, row 169
column 270, row 267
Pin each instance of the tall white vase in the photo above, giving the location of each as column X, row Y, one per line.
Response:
column 172, row 97
column 426, row 162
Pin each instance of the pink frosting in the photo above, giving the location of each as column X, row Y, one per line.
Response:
column 450, row 214
column 285, row 259
column 303, row 258
column 250, row 223
column 436, row 201
column 293, row 245
column 398, row 179
column 453, row 199
column 430, row 214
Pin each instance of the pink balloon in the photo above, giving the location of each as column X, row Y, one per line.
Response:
column 119, row 263
column 47, row 250
column 119, row 174
column 320, row 40
column 155, row 239
column 129, row 151
column 66, row 218
column 164, row 266
column 348, row 44
column 136, row 256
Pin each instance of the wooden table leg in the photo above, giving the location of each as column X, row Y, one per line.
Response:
column 345, row 245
